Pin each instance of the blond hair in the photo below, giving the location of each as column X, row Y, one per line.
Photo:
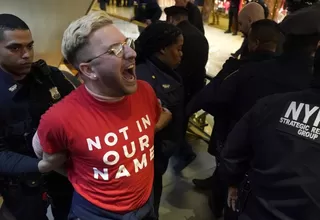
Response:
column 76, row 36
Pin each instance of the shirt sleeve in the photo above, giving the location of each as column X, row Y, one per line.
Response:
column 153, row 100
column 12, row 163
column 237, row 153
column 158, row 108
column 156, row 104
column 51, row 134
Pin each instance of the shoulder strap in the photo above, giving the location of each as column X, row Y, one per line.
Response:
column 72, row 79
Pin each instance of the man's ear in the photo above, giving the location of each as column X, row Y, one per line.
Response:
column 87, row 70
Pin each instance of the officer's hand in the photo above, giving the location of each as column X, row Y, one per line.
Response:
column 148, row 21
column 232, row 197
column 164, row 119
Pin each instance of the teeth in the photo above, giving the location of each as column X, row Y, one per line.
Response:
column 130, row 67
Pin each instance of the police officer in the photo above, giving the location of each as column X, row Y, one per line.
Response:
column 27, row 90
column 194, row 14
column 158, row 53
column 277, row 142
column 233, row 16
column 191, row 69
column 263, row 39
column 250, row 13
column 195, row 51
column 292, row 71
column 147, row 11
column 293, row 6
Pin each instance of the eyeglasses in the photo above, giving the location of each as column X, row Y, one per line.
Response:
column 116, row 49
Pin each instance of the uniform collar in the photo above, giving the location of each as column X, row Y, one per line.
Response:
column 8, row 84
column 189, row 5
column 260, row 55
column 183, row 23
column 166, row 70
column 297, row 57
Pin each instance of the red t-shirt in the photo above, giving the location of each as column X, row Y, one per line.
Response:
column 110, row 145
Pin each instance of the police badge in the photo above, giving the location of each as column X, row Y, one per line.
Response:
column 55, row 94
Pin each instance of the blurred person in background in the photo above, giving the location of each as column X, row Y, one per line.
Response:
column 250, row 13
column 233, row 17
column 147, row 12
column 103, row 4
column 194, row 14
column 293, row 6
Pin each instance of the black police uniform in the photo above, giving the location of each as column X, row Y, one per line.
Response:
column 195, row 17
column 222, row 123
column 147, row 10
column 168, row 87
column 278, row 143
column 233, row 14
column 203, row 99
column 195, row 57
column 239, row 92
column 21, row 105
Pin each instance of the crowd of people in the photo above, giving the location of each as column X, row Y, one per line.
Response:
column 98, row 150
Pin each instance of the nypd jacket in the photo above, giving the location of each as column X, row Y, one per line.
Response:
column 242, row 89
column 21, row 106
column 278, row 143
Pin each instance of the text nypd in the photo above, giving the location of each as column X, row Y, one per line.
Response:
column 304, row 118
column 138, row 151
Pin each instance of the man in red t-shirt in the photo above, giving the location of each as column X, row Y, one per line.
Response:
column 103, row 132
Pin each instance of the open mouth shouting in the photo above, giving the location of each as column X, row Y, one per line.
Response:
column 129, row 74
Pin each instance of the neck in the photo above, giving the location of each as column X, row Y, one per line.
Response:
column 180, row 21
column 183, row 5
column 100, row 96
column 161, row 59
column 14, row 76
column 299, row 53
column 270, row 49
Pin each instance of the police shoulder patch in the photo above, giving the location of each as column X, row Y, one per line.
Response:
column 301, row 120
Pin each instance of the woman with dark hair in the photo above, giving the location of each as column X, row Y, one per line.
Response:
column 158, row 53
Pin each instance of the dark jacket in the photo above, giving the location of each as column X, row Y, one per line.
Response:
column 240, row 91
column 235, row 4
column 150, row 10
column 195, row 17
column 203, row 100
column 21, row 106
column 195, row 56
column 278, row 143
column 168, row 87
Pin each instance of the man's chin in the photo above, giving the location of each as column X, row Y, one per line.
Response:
column 130, row 89
column 20, row 75
column 23, row 71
